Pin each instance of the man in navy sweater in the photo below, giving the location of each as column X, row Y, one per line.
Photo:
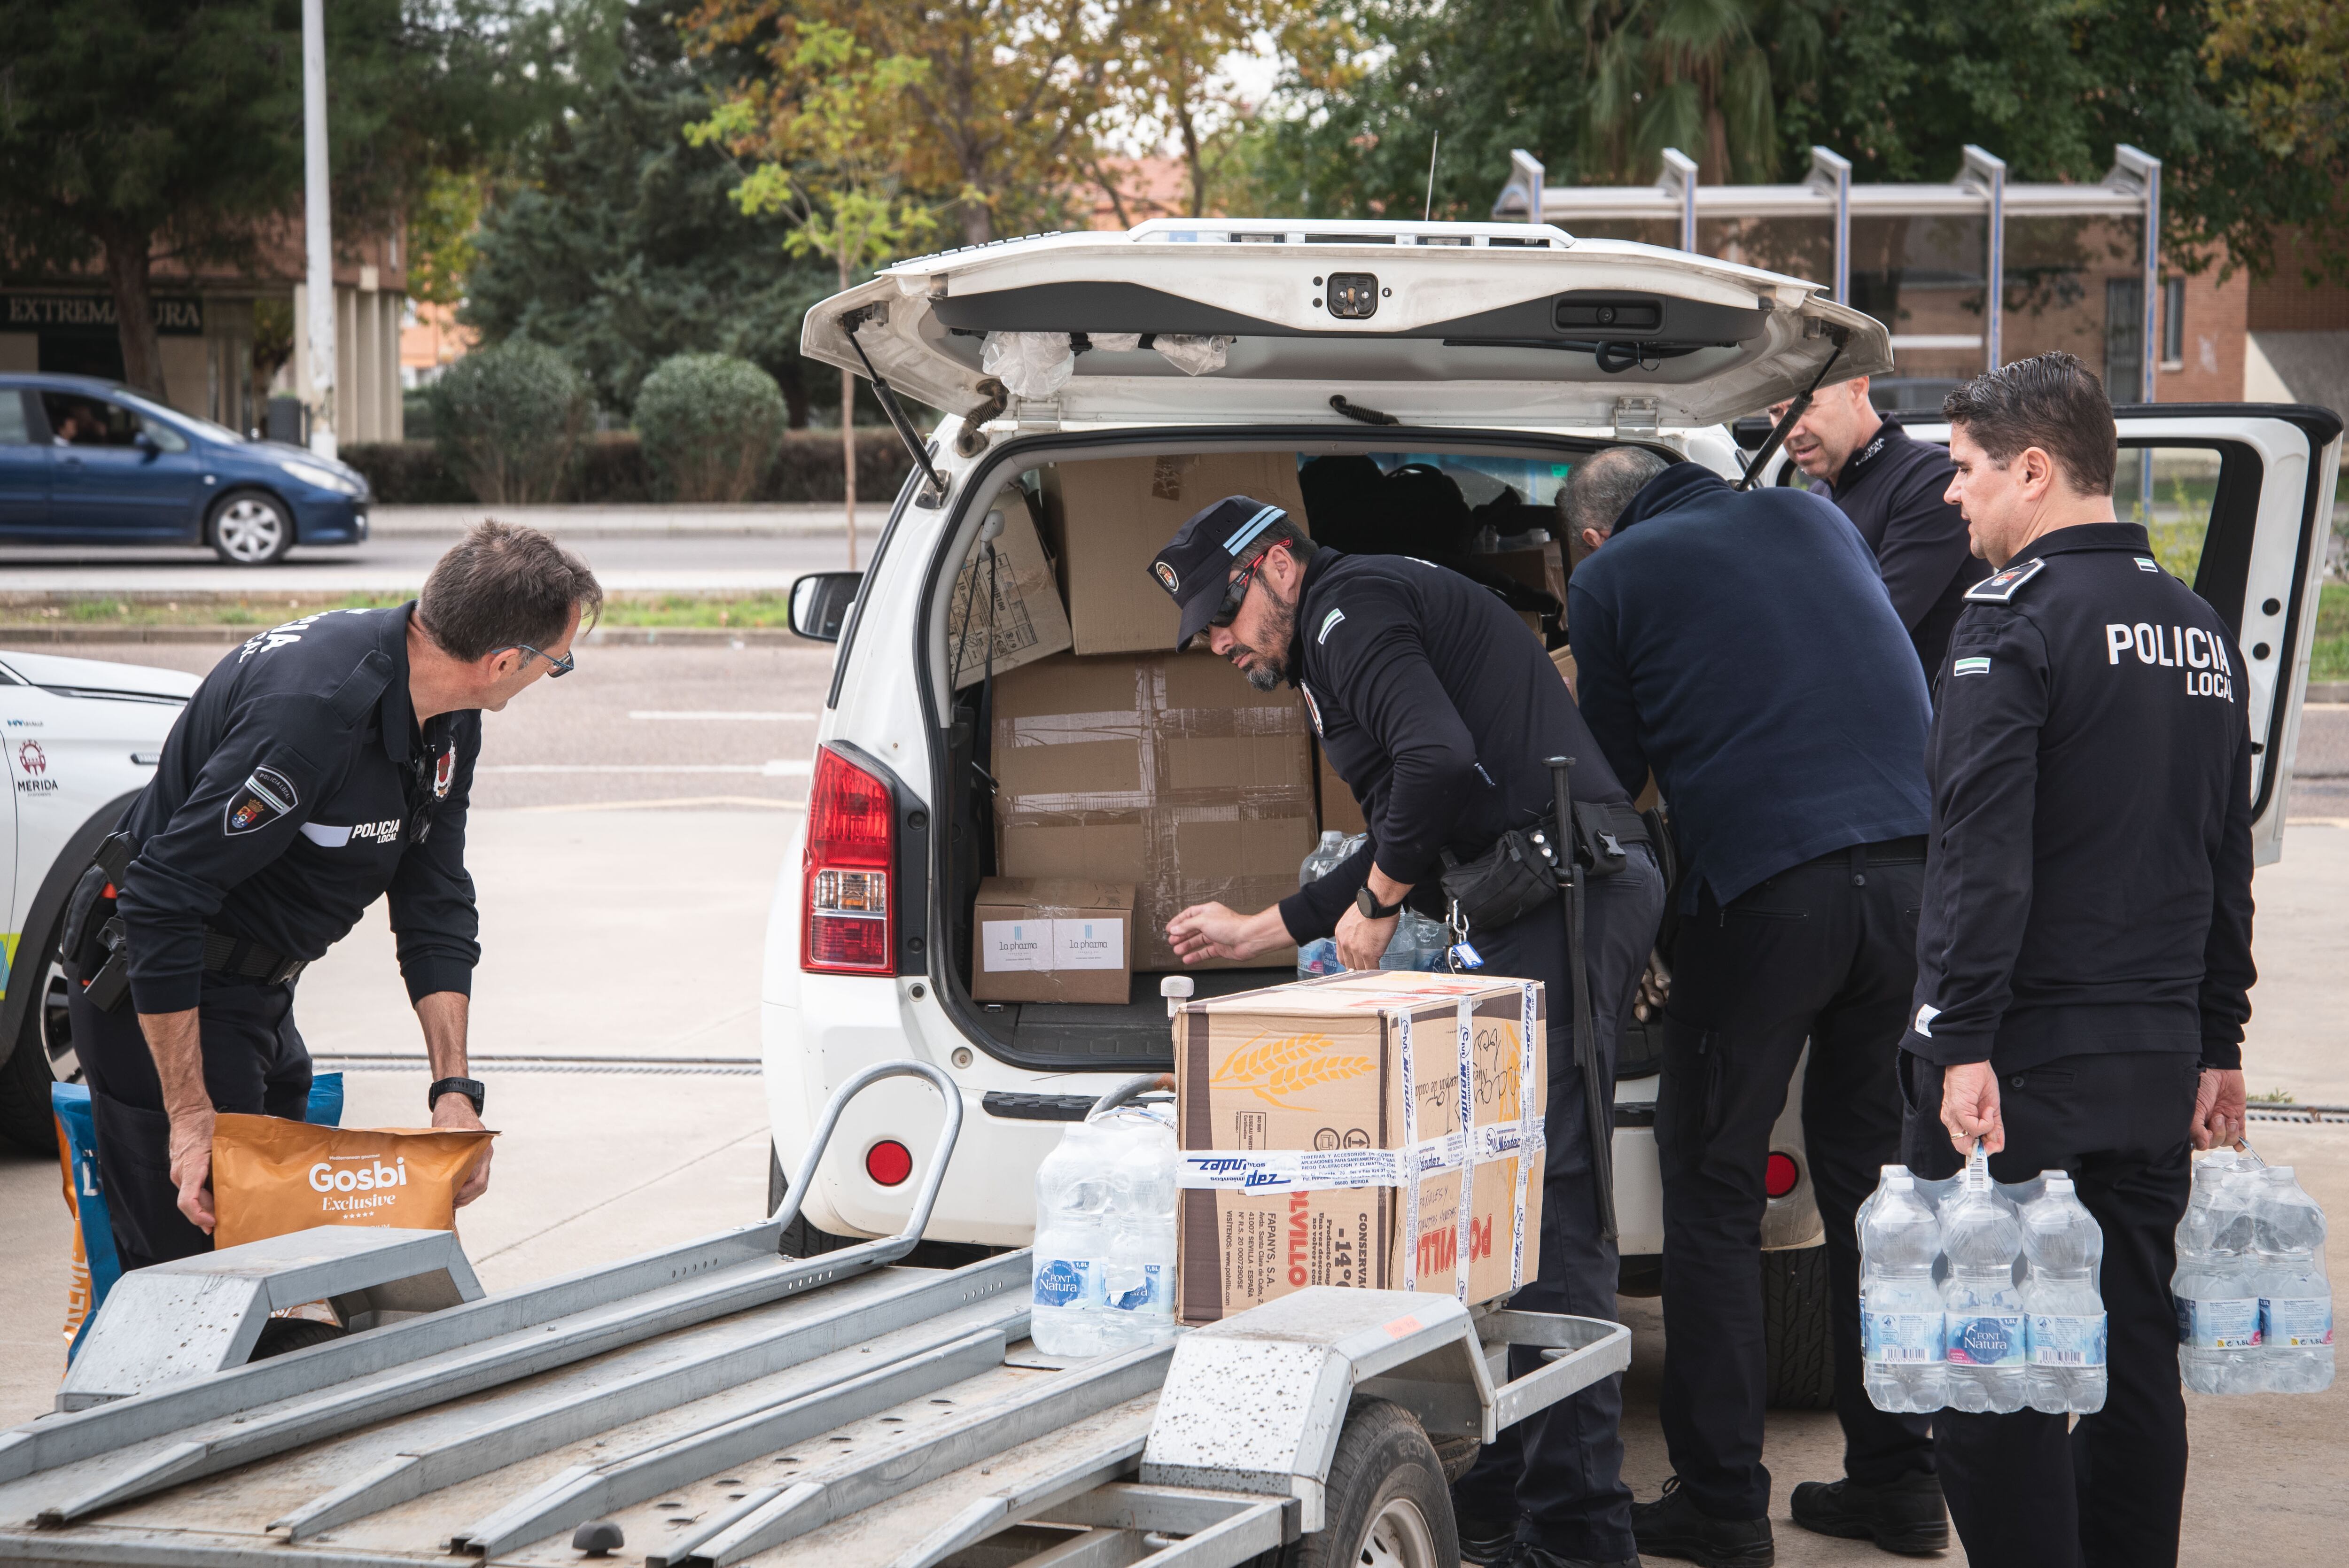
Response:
column 1742, row 647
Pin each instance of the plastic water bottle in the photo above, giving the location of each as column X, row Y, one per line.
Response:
column 1984, row 1338
column 1138, row 1284
column 1070, row 1259
column 2295, row 1298
column 2218, row 1298
column 1324, row 859
column 2066, row 1329
column 1900, row 1306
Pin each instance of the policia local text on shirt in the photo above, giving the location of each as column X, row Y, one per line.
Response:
column 2084, row 946
column 322, row 764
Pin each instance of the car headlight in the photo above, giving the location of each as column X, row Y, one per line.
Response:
column 324, row 478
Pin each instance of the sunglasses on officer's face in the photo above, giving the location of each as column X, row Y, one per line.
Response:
column 1236, row 595
column 556, row 668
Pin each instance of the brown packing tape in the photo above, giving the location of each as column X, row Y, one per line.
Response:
column 271, row 1176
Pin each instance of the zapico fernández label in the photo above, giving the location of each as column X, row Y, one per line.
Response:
column 2295, row 1322
column 1064, row 1281
column 2060, row 1341
column 1901, row 1339
column 1986, row 1338
column 2228, row 1322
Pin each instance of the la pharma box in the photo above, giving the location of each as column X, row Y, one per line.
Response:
column 1379, row 1129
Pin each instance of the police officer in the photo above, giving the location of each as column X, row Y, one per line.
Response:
column 320, row 766
column 1743, row 647
column 1438, row 709
column 1891, row 488
column 2084, row 954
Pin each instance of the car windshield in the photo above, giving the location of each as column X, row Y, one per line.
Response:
column 205, row 427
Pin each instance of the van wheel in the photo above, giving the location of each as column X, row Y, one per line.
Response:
column 1387, row 1503
column 250, row 528
column 801, row 1240
column 1796, row 1335
column 42, row 1054
column 284, row 1335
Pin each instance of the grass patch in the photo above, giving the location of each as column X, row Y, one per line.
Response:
column 2329, row 658
column 752, row 612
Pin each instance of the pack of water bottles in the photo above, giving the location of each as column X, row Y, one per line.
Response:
column 2254, row 1306
column 1102, row 1269
column 1980, row 1295
column 1418, row 941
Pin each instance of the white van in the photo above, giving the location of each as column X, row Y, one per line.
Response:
column 1498, row 353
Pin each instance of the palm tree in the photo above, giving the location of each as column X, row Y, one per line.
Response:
column 1691, row 74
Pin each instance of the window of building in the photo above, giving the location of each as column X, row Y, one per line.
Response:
column 2124, row 339
column 2173, row 323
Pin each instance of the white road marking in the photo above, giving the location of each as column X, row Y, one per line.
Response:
column 740, row 716
column 775, row 769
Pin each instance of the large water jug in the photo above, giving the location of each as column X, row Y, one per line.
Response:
column 1984, row 1333
column 2065, row 1311
column 1325, row 857
column 1900, row 1306
column 1138, row 1284
column 2217, row 1297
column 2295, row 1350
column 1070, row 1258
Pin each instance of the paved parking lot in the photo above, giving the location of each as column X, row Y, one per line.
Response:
column 630, row 823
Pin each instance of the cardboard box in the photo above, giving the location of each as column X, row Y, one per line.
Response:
column 1541, row 566
column 1320, row 1126
column 1339, row 809
column 1029, row 622
column 1052, row 940
column 1171, row 773
column 1109, row 516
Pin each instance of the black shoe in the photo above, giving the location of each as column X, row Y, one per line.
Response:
column 1534, row 1557
column 1486, row 1544
column 1674, row 1526
column 1906, row 1516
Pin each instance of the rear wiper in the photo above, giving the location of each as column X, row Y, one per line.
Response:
column 886, row 394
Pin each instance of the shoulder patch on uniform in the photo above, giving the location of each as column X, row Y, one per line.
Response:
column 2000, row 587
column 1328, row 624
column 264, row 797
column 361, row 687
column 2147, row 563
column 1976, row 665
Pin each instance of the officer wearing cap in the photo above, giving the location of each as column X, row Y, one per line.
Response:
column 1438, row 708
column 321, row 765
column 2085, row 950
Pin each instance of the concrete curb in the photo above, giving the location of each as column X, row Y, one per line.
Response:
column 608, row 636
column 2327, row 691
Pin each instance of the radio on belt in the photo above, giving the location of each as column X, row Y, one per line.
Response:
column 1377, row 1129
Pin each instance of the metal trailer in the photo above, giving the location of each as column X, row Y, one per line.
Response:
column 718, row 1403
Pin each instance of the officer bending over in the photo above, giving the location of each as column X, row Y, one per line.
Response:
column 2085, row 953
column 323, row 764
column 1437, row 707
column 1742, row 646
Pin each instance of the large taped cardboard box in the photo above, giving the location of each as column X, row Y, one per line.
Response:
column 1109, row 516
column 1321, row 1130
column 1171, row 773
column 1052, row 940
column 1027, row 620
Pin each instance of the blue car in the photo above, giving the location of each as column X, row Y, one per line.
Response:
column 85, row 462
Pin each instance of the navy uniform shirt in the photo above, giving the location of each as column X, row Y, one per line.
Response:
column 294, row 789
column 1740, row 646
column 2090, row 884
column 1891, row 488
column 1437, row 707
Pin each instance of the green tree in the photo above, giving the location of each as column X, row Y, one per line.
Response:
column 614, row 240
column 137, row 131
column 2285, row 66
column 828, row 135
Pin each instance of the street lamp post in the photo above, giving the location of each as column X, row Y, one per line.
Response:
column 318, row 325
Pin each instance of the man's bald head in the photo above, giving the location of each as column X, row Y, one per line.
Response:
column 1599, row 488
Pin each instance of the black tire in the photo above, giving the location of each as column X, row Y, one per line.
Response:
column 250, row 528
column 284, row 1335
column 1385, row 1476
column 801, row 1240
column 42, row 1053
column 1794, row 1329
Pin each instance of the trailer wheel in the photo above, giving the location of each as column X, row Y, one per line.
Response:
column 1387, row 1504
column 1797, row 1340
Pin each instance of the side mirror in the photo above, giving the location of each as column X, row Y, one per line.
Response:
column 145, row 443
column 1750, row 432
column 821, row 601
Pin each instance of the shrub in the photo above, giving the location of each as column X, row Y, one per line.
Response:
column 610, row 471
column 509, row 418
column 710, row 424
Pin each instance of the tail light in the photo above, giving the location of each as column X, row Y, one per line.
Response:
column 888, row 1162
column 851, row 845
column 1780, row 1175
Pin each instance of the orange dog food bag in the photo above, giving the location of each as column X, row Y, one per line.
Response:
column 270, row 1176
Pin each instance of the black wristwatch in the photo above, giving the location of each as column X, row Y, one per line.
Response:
column 1367, row 902
column 469, row 1088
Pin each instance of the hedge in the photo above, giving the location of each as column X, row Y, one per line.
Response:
column 709, row 424
column 509, row 420
column 611, row 470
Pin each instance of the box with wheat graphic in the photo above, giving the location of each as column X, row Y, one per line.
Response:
column 1379, row 1129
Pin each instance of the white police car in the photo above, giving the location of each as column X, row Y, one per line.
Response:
column 1500, row 350
column 81, row 739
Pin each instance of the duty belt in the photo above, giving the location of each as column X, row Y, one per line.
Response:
column 233, row 956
